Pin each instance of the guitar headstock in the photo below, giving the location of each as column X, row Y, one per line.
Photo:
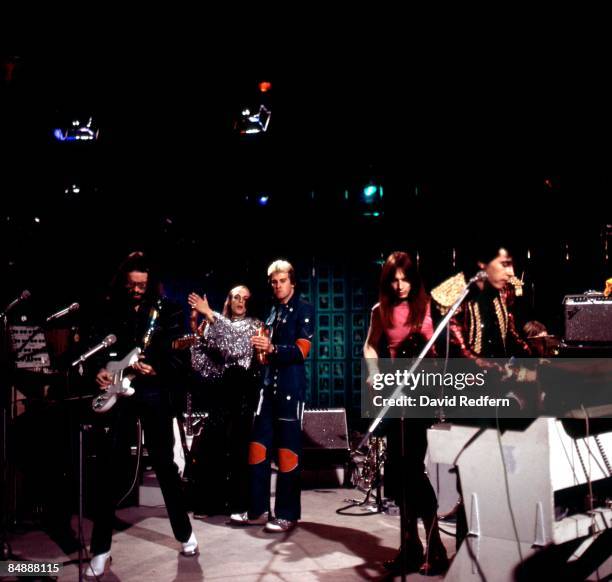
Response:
column 185, row 342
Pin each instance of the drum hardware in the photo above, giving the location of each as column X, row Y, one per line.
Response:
column 366, row 475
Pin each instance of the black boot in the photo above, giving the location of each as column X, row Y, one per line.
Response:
column 413, row 561
column 436, row 559
column 413, row 550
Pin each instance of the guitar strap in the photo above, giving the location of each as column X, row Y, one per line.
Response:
column 154, row 313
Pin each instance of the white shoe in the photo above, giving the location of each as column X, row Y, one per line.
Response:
column 280, row 525
column 97, row 565
column 190, row 547
column 243, row 519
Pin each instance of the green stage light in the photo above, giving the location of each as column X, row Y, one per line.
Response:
column 369, row 192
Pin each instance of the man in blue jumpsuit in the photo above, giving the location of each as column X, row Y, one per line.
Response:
column 278, row 419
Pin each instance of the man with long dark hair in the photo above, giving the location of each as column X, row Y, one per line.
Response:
column 400, row 325
column 135, row 309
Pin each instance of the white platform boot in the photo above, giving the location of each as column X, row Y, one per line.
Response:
column 97, row 565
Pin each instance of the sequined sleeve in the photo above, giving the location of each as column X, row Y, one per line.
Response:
column 233, row 338
column 225, row 343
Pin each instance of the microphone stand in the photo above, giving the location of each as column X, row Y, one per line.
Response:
column 5, row 406
column 398, row 391
column 82, row 429
column 378, row 462
column 7, row 367
column 7, row 414
column 443, row 323
column 6, row 403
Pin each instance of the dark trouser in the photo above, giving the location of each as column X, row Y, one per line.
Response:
column 113, row 447
column 274, row 429
column 239, row 431
column 43, row 450
column 221, row 475
column 420, row 498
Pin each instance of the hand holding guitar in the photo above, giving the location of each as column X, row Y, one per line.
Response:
column 145, row 369
column 263, row 343
column 104, row 378
column 115, row 378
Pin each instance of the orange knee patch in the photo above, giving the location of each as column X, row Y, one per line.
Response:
column 257, row 453
column 287, row 460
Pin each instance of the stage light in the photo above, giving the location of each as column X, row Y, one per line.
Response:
column 265, row 86
column 251, row 123
column 77, row 131
column 371, row 193
column 369, row 200
column 263, row 200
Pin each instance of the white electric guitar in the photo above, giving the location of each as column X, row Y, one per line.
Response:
column 122, row 382
column 122, row 376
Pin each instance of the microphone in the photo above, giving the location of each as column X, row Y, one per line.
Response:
column 109, row 340
column 25, row 294
column 480, row 276
column 65, row 311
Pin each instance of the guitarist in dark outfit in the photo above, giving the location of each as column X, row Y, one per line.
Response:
column 128, row 313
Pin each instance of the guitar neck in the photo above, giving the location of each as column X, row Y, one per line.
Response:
column 184, row 342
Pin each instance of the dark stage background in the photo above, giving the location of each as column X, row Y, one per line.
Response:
column 463, row 151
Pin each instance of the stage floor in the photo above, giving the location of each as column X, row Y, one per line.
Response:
column 325, row 546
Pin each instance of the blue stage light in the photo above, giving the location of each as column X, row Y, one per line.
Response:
column 77, row 131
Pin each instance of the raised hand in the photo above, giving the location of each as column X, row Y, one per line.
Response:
column 200, row 304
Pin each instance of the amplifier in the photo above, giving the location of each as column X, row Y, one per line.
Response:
column 588, row 318
column 325, row 428
column 325, row 448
